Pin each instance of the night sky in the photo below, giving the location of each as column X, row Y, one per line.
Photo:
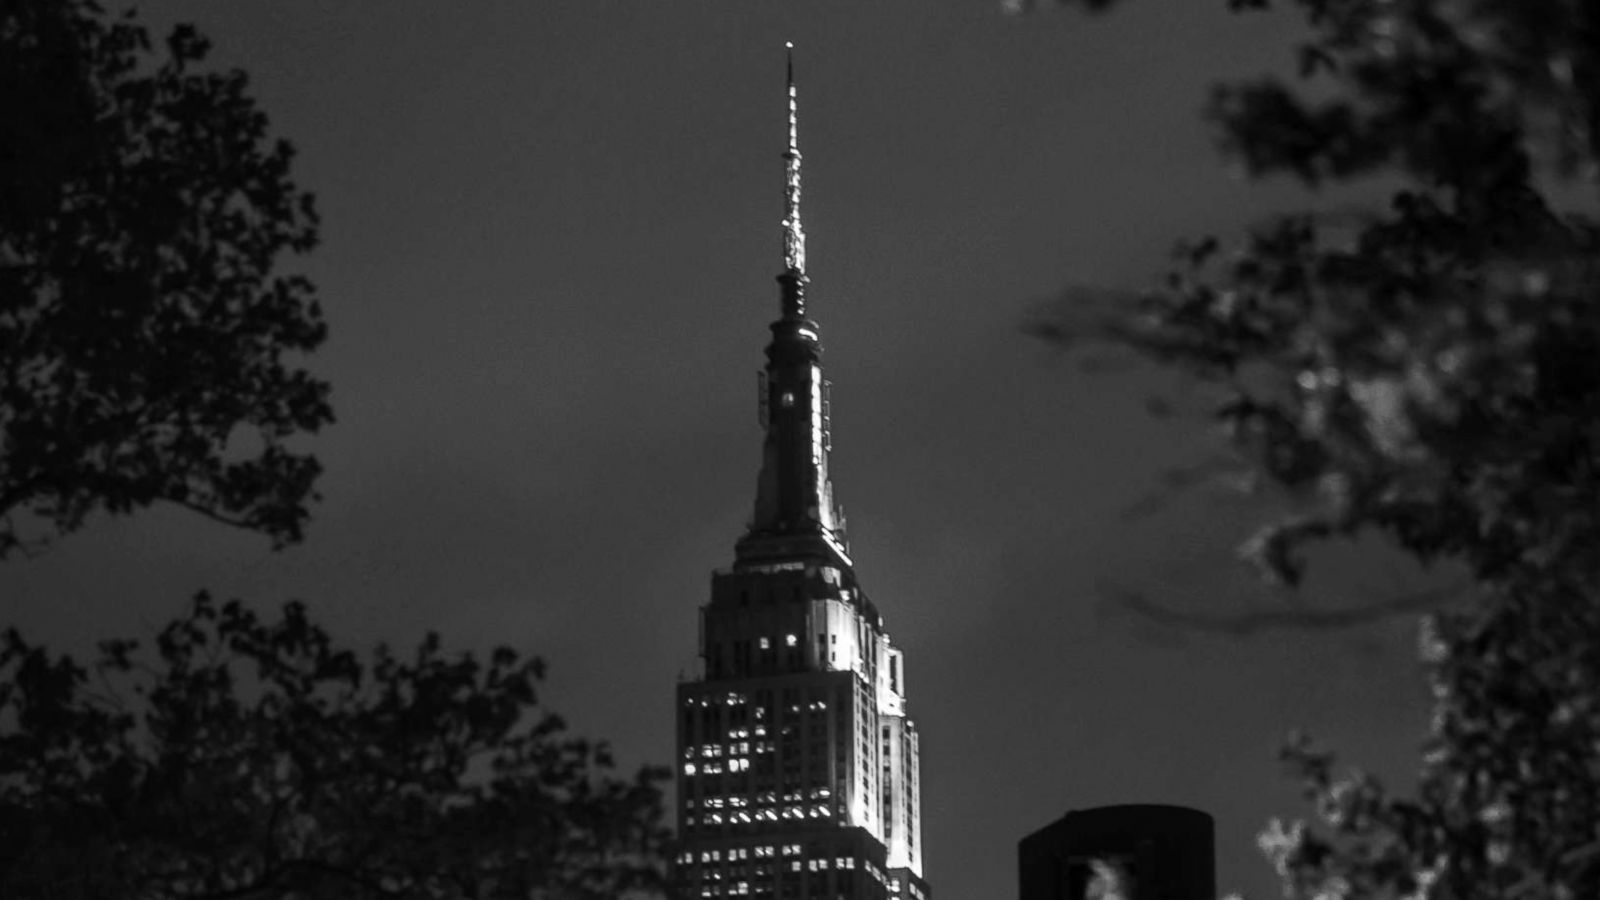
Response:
column 550, row 236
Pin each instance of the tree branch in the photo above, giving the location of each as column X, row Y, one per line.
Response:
column 213, row 515
column 1257, row 620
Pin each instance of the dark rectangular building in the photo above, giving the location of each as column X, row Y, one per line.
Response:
column 1129, row 852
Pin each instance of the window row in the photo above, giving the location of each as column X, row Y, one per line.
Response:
column 715, row 767
column 705, row 864
column 732, row 748
column 746, row 817
column 764, row 798
column 783, row 869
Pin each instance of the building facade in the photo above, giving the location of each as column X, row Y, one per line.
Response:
column 797, row 764
column 1136, row 851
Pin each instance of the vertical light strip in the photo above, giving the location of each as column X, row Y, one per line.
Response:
column 794, row 238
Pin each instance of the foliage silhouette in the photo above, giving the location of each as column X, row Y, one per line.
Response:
column 146, row 345
column 1427, row 374
column 148, row 353
column 256, row 758
column 1430, row 376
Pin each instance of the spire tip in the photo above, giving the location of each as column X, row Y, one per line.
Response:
column 794, row 239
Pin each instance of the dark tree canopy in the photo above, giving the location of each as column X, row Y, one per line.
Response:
column 1426, row 373
column 147, row 347
column 255, row 758
column 1429, row 374
column 1507, row 805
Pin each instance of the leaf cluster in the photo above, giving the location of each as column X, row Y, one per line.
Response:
column 1425, row 372
column 147, row 342
column 257, row 758
column 1509, row 799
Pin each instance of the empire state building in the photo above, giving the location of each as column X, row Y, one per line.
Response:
column 797, row 763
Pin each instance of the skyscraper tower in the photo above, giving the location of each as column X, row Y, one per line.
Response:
column 797, row 764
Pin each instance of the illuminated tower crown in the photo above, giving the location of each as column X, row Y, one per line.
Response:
column 798, row 768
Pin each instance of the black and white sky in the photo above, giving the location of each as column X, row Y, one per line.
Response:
column 550, row 236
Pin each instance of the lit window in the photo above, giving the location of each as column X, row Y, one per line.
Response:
column 766, row 644
column 688, row 768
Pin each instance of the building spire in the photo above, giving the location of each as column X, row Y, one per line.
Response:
column 794, row 237
column 795, row 514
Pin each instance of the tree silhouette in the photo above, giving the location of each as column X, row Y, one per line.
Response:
column 1423, row 374
column 1426, row 373
column 1509, row 784
column 256, row 758
column 148, row 353
column 146, row 345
